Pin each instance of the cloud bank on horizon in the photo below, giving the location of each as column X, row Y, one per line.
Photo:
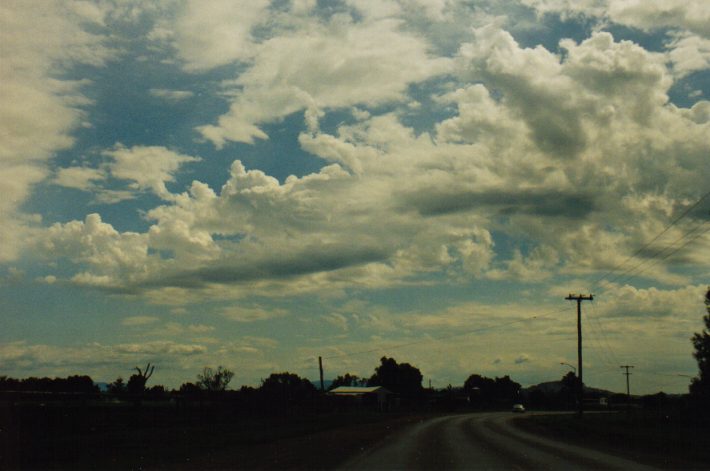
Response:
column 259, row 183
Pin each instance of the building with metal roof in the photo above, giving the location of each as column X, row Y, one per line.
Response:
column 373, row 395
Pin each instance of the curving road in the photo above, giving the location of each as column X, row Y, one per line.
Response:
column 481, row 441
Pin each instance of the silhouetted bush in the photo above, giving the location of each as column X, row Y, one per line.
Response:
column 283, row 389
column 486, row 392
column 402, row 378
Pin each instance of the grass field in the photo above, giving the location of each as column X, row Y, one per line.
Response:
column 121, row 436
column 295, row 442
column 671, row 441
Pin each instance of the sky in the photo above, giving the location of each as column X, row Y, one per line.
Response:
column 255, row 184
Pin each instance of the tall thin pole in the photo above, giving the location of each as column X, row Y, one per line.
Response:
column 628, row 388
column 580, row 381
column 320, row 368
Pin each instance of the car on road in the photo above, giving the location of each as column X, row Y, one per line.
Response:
column 518, row 408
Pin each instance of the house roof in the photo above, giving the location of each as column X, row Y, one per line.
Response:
column 358, row 390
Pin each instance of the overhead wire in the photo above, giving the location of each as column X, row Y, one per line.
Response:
column 668, row 382
column 596, row 282
column 606, row 354
column 672, row 252
column 596, row 319
column 389, row 348
column 650, row 261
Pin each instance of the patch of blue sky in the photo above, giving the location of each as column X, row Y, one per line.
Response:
column 62, row 313
column 654, row 41
column 441, row 290
column 278, row 156
column 57, row 204
column 124, row 111
column 326, row 9
column 690, row 89
column 429, row 113
column 506, row 245
column 548, row 30
column 334, row 119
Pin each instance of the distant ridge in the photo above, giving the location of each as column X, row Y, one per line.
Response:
column 554, row 387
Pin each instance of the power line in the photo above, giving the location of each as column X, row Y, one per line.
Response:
column 444, row 337
column 669, row 254
column 595, row 343
column 667, row 375
column 653, row 261
column 596, row 282
column 595, row 318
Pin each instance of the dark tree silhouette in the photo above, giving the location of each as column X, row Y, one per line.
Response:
column 700, row 386
column 478, row 386
column 136, row 383
column 78, row 384
column 71, row 384
column 117, row 387
column 486, row 391
column 506, row 389
column 156, row 391
column 348, row 380
column 214, row 380
column 401, row 378
column 9, row 384
column 287, row 387
column 190, row 389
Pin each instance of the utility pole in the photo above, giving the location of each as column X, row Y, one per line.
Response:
column 580, row 382
column 628, row 389
column 320, row 368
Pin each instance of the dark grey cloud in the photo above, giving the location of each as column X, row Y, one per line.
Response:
column 277, row 265
column 522, row 359
column 549, row 203
column 555, row 129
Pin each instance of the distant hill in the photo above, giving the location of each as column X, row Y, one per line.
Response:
column 554, row 387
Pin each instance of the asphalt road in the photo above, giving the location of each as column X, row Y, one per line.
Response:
column 481, row 441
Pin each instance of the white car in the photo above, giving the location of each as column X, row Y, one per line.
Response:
column 518, row 408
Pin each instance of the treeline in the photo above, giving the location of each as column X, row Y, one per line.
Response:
column 284, row 390
column 400, row 378
column 71, row 384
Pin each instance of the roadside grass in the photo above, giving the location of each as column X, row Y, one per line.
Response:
column 671, row 441
column 296, row 442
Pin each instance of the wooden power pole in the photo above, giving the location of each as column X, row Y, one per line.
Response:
column 628, row 388
column 320, row 369
column 580, row 381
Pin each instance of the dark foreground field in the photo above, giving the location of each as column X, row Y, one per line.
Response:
column 665, row 440
column 145, row 437
column 58, row 439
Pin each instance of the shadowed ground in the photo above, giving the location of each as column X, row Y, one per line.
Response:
column 490, row 440
column 481, row 441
